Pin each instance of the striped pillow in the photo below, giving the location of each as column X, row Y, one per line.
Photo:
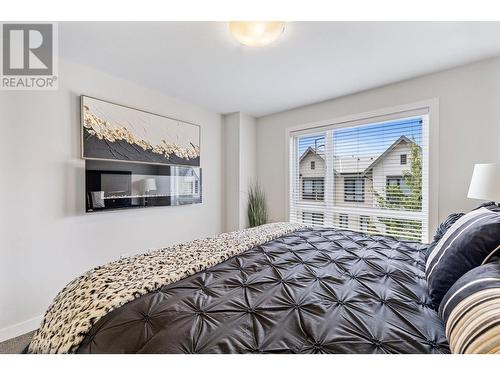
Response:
column 471, row 311
column 471, row 241
column 441, row 231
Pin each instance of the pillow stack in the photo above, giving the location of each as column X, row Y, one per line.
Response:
column 470, row 241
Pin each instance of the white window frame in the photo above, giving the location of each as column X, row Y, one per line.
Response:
column 431, row 168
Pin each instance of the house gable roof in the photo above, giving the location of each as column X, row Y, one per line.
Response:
column 359, row 162
column 396, row 143
column 308, row 151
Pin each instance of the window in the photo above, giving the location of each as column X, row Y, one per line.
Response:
column 396, row 190
column 393, row 189
column 363, row 223
column 373, row 176
column 312, row 218
column 394, row 181
column 313, row 165
column 343, row 221
column 313, row 188
column 354, row 190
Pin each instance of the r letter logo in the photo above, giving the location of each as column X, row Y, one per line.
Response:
column 29, row 58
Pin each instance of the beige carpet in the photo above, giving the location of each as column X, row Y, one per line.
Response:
column 17, row 344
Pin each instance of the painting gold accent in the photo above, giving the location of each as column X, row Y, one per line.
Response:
column 103, row 129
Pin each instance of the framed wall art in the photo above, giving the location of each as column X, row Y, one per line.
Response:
column 119, row 133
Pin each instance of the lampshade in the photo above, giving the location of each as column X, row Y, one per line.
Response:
column 485, row 182
column 149, row 184
column 256, row 34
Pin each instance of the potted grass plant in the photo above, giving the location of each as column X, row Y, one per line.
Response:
column 257, row 209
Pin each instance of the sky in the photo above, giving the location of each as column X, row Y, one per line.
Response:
column 366, row 140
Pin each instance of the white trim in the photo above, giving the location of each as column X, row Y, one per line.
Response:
column 363, row 116
column 432, row 106
column 20, row 328
column 363, row 211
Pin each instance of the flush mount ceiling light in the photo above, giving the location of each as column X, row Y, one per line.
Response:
column 256, row 34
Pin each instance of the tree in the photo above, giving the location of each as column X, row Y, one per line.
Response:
column 409, row 199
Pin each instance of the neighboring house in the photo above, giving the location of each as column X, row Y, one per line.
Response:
column 355, row 179
column 312, row 175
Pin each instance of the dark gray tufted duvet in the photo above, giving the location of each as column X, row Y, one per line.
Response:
column 312, row 291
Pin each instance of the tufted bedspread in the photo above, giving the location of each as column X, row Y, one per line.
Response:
column 311, row 291
column 89, row 297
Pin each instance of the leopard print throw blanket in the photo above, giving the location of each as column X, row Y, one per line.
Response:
column 94, row 294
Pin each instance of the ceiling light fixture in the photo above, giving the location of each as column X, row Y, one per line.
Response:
column 256, row 34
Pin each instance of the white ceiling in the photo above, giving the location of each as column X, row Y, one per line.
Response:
column 312, row 61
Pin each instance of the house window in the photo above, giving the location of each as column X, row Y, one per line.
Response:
column 393, row 189
column 313, row 164
column 313, row 189
column 364, row 183
column 394, row 181
column 363, row 223
column 312, row 218
column 396, row 189
column 354, row 190
column 343, row 221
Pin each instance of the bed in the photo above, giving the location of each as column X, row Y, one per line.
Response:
column 312, row 290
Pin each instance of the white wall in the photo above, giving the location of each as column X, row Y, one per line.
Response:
column 240, row 167
column 469, row 129
column 231, row 172
column 46, row 237
column 248, row 163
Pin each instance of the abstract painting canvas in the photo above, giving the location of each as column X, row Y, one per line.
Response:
column 115, row 132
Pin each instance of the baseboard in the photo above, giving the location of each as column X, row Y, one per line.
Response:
column 20, row 328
